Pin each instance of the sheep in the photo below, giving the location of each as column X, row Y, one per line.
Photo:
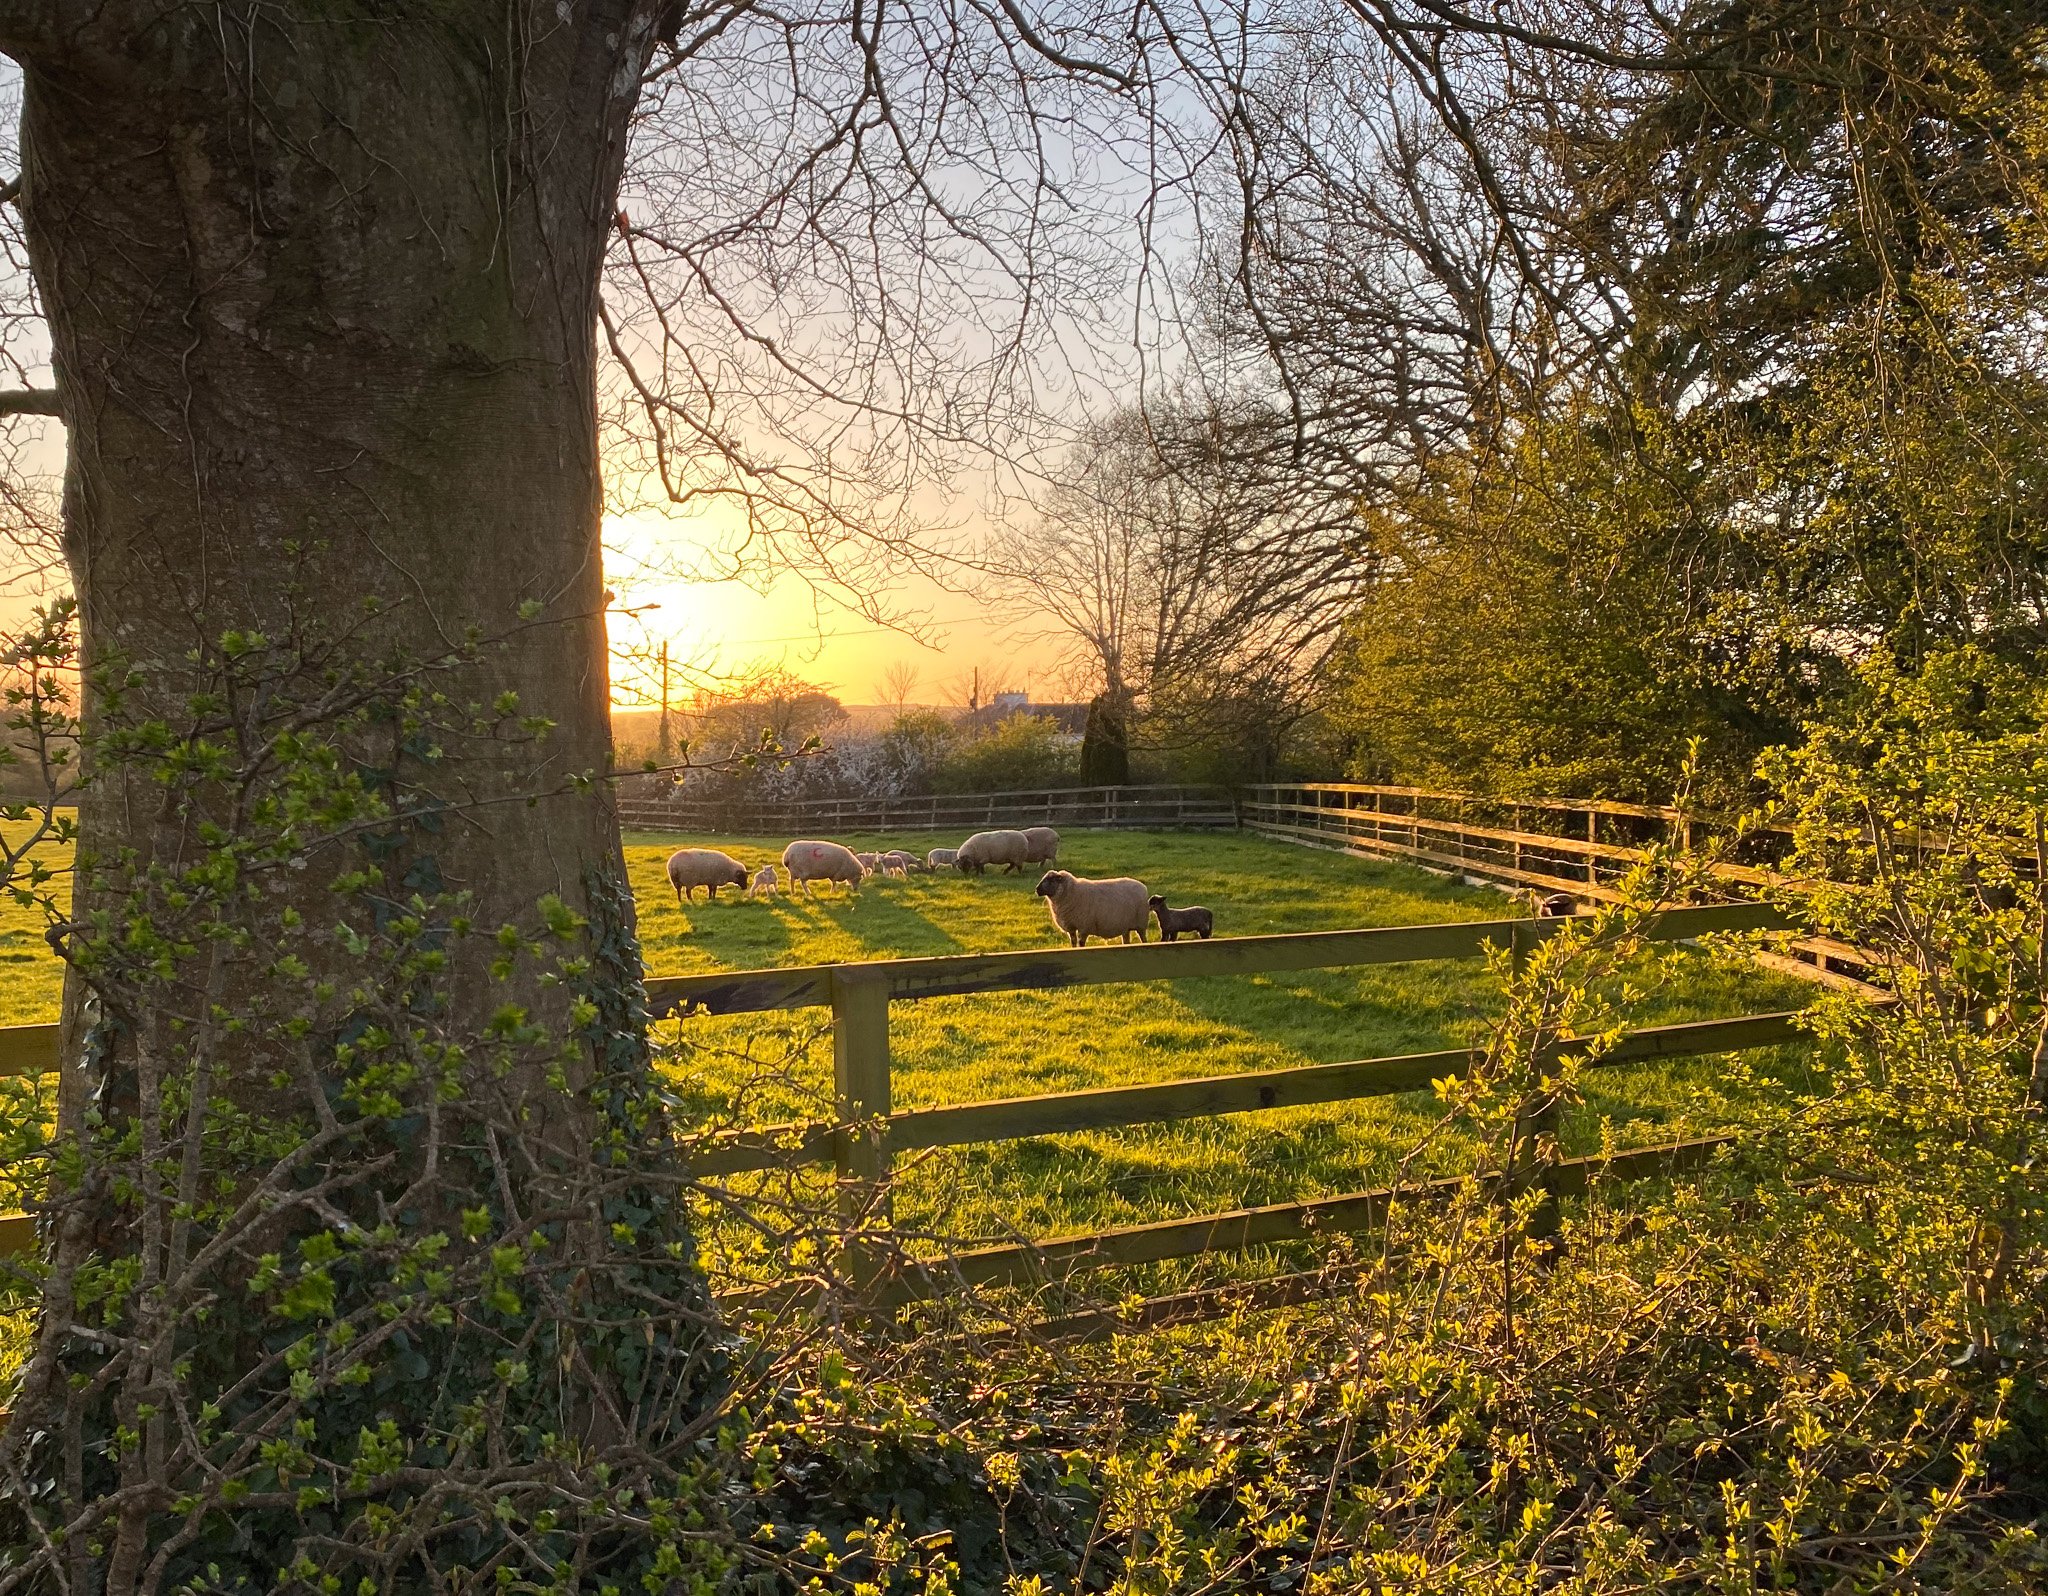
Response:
column 939, row 859
column 1556, row 905
column 868, row 861
column 1044, row 845
column 1084, row 908
column 691, row 868
column 892, row 864
column 985, row 848
column 902, row 862
column 821, row 861
column 1172, row 922
column 765, row 883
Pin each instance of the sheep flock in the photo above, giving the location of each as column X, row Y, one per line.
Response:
column 1116, row 909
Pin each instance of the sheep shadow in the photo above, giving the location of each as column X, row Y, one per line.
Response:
column 887, row 927
column 731, row 933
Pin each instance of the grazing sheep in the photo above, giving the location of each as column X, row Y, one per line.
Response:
column 868, row 861
column 1172, row 922
column 1084, row 908
column 765, row 884
column 691, row 868
column 902, row 861
column 939, row 859
column 985, row 848
column 821, row 861
column 1556, row 905
column 1044, row 845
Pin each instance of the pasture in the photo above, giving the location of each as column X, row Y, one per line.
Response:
column 755, row 1068
column 959, row 1049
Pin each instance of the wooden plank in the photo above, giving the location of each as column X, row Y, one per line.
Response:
column 17, row 1234
column 1164, row 1102
column 1180, row 1308
column 1257, row 1296
column 1242, row 1229
column 1372, row 840
column 952, row 975
column 1111, row 1107
column 28, row 1050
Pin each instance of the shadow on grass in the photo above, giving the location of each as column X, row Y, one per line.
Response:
column 888, row 925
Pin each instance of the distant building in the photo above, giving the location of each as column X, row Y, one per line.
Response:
column 1011, row 703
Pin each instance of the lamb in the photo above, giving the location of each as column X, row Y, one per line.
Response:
column 985, row 848
column 1084, row 908
column 765, row 884
column 1194, row 920
column 821, row 861
column 1044, row 845
column 902, row 861
column 868, row 861
column 691, row 868
column 939, row 859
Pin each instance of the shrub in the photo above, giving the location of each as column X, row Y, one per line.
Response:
column 1020, row 751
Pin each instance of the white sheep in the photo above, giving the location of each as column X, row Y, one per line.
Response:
column 691, row 868
column 898, row 863
column 1044, row 845
column 821, row 861
column 868, row 861
column 985, row 848
column 939, row 859
column 765, row 884
column 1082, row 908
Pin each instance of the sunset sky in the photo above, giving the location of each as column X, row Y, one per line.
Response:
column 724, row 627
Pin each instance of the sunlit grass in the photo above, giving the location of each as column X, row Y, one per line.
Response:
column 965, row 1049
column 951, row 1050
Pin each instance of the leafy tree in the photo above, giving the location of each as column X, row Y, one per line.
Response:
column 1019, row 751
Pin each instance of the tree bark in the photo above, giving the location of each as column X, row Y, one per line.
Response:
column 322, row 281
column 322, row 292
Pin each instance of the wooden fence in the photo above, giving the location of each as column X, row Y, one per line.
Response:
column 868, row 1131
column 1200, row 808
column 1579, row 846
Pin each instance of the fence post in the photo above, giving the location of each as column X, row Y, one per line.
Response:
column 860, row 1073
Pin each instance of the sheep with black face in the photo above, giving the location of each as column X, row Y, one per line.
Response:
column 1083, row 908
column 1173, row 923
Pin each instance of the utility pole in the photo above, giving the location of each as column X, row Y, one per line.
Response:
column 665, row 746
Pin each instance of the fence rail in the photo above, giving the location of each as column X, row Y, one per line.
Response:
column 861, row 1141
column 1153, row 807
column 1578, row 846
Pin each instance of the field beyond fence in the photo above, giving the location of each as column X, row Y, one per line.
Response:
column 868, row 1131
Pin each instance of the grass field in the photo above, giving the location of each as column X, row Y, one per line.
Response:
column 950, row 1050
column 1008, row 1044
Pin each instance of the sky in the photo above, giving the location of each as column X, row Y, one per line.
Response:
column 948, row 629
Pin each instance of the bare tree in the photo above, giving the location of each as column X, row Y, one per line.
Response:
column 1201, row 586
column 898, row 682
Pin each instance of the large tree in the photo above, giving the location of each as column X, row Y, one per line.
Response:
column 327, row 294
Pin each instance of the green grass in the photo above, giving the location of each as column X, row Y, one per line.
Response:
column 950, row 1050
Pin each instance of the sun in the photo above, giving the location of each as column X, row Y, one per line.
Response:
column 664, row 573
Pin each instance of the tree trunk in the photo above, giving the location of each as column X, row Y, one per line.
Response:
column 322, row 295
column 322, row 283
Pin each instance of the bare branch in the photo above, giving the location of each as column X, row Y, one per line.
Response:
column 30, row 402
